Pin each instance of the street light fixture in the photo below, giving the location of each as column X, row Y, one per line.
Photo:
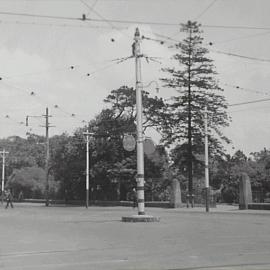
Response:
column 150, row 83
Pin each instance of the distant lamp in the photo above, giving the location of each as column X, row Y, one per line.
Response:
column 157, row 85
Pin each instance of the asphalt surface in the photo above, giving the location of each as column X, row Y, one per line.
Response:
column 39, row 237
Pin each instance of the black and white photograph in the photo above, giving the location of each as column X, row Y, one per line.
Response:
column 135, row 134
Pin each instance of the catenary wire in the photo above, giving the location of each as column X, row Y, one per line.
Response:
column 205, row 10
column 244, row 37
column 246, row 89
column 241, row 56
column 217, row 51
column 249, row 102
column 82, row 26
column 131, row 21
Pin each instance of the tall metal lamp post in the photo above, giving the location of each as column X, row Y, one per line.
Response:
column 140, row 155
column 207, row 190
column 87, row 133
column 3, row 153
column 141, row 217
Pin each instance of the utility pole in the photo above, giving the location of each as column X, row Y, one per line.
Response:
column 3, row 153
column 206, row 161
column 141, row 217
column 87, row 168
column 140, row 154
column 190, row 196
column 47, row 156
column 47, row 151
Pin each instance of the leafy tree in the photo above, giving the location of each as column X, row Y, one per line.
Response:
column 113, row 169
column 261, row 181
column 27, row 152
column 157, row 183
column 68, row 164
column 198, row 88
column 63, row 151
column 31, row 181
column 123, row 104
column 227, row 170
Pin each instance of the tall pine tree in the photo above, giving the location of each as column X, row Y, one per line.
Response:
column 195, row 81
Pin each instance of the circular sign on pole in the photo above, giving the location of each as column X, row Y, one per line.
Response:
column 129, row 143
column 148, row 146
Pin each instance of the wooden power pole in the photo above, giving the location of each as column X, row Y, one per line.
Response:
column 47, row 156
column 47, row 151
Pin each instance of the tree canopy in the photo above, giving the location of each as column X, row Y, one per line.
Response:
column 195, row 81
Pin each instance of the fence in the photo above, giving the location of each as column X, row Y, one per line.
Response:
column 259, row 196
column 199, row 198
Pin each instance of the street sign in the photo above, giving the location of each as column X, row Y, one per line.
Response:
column 148, row 146
column 129, row 143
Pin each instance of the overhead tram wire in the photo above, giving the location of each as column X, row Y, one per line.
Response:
column 28, row 92
column 63, row 25
column 7, row 116
column 241, row 56
column 215, row 51
column 91, row 8
column 236, row 27
column 38, row 72
column 244, row 37
column 249, row 102
column 131, row 21
column 66, row 68
column 247, row 89
column 103, row 20
column 205, row 10
column 55, row 106
column 249, row 109
column 39, row 16
column 41, row 101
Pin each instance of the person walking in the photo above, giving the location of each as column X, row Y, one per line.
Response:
column 9, row 198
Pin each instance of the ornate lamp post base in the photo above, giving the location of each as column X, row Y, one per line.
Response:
column 141, row 218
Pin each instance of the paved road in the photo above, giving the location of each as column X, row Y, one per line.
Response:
column 76, row 238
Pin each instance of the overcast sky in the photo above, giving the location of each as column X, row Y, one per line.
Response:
column 36, row 55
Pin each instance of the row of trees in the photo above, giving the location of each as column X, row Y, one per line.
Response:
column 112, row 173
column 179, row 120
column 113, row 169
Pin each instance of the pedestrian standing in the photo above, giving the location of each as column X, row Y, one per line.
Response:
column 9, row 197
column 134, row 197
column 20, row 197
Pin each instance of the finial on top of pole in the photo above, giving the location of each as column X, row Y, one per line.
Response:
column 137, row 33
column 135, row 45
